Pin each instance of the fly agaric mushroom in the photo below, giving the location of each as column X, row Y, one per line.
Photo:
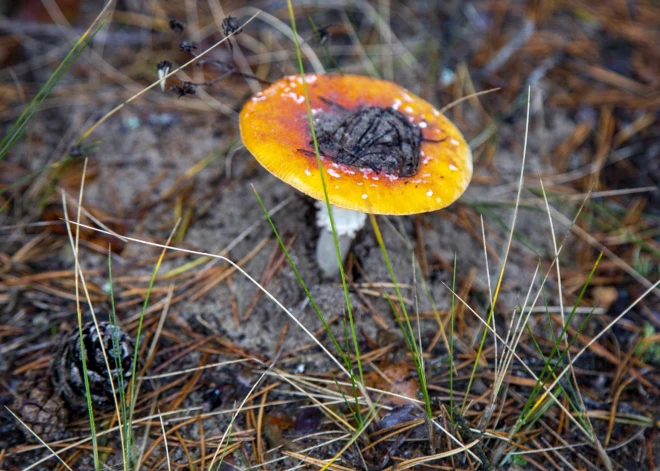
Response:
column 383, row 150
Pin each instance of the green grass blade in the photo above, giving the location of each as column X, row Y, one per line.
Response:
column 325, row 190
column 121, row 380
column 406, row 328
column 532, row 402
column 342, row 353
column 133, row 396
column 88, row 396
column 451, row 344
column 18, row 128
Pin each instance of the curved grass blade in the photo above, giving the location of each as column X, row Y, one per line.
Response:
column 18, row 128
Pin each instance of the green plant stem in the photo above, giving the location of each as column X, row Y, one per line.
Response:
column 325, row 192
column 407, row 330
column 18, row 128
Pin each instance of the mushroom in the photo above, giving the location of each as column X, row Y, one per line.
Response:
column 383, row 151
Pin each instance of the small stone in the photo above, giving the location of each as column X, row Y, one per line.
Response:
column 308, row 420
column 605, row 296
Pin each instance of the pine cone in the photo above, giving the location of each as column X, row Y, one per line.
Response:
column 40, row 408
column 67, row 370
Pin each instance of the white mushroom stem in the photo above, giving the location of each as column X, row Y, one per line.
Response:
column 347, row 224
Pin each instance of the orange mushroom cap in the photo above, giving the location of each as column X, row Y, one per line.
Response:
column 275, row 128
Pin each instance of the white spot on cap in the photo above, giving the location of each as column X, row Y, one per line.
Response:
column 439, row 200
column 307, row 172
column 396, row 104
column 408, row 109
column 429, row 193
column 365, row 196
column 373, row 185
column 299, row 99
column 310, row 78
column 334, row 173
column 453, row 167
column 422, row 124
column 407, row 97
column 360, row 183
column 435, row 112
column 259, row 97
column 453, row 141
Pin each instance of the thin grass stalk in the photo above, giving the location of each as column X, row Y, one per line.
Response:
column 167, row 451
column 81, row 279
column 77, row 272
column 547, row 371
column 93, row 127
column 501, row 276
column 343, row 354
column 560, row 388
column 407, row 330
column 421, row 370
column 18, row 128
column 224, row 450
column 325, row 190
column 133, row 397
column 120, row 369
column 552, row 372
column 575, row 384
column 451, row 345
column 554, row 340
column 355, row 411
